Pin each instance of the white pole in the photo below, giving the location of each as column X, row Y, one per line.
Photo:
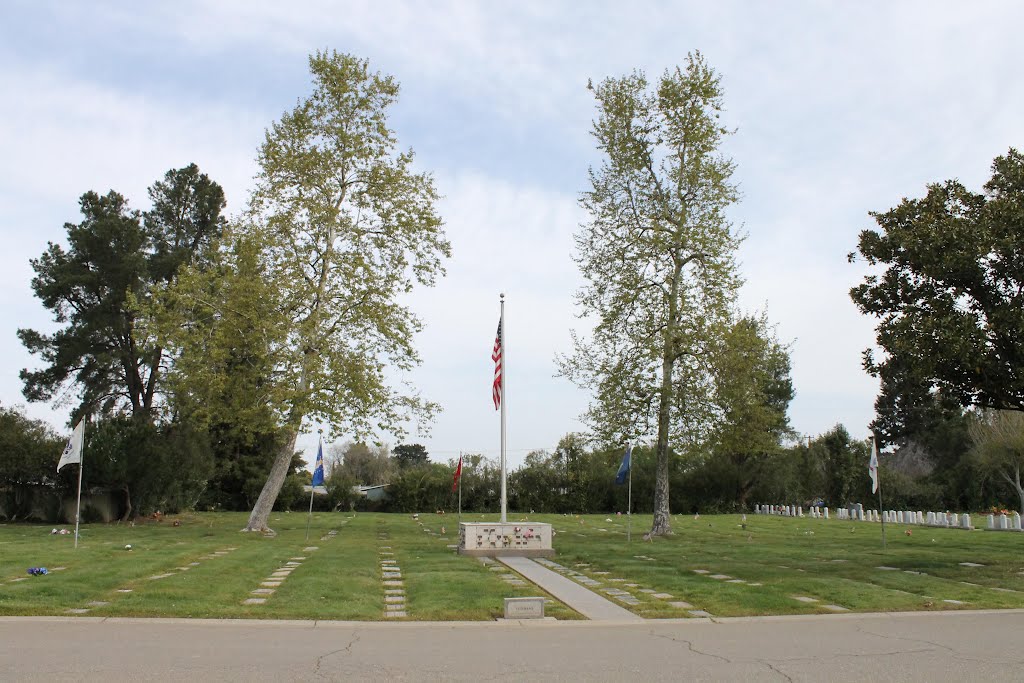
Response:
column 629, row 501
column 312, row 487
column 504, row 401
column 78, row 505
column 460, row 487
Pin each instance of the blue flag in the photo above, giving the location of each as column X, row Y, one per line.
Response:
column 318, row 473
column 620, row 476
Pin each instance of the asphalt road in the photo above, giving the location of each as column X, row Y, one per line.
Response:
column 932, row 646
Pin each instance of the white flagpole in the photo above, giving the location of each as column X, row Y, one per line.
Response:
column 878, row 478
column 312, row 487
column 629, row 500
column 460, row 487
column 504, row 400
column 78, row 505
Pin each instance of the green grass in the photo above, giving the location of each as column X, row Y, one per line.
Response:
column 833, row 561
column 341, row 579
column 212, row 567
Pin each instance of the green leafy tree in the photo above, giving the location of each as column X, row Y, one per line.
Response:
column 410, row 455
column 753, row 390
column 363, row 464
column 998, row 437
column 950, row 301
column 155, row 466
column 114, row 257
column 226, row 344
column 845, row 464
column 658, row 255
column 346, row 228
column 29, row 450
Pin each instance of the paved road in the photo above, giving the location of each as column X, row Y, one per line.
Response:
column 944, row 646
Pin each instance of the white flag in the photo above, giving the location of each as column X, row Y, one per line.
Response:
column 873, row 467
column 73, row 451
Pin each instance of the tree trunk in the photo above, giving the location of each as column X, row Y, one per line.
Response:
column 275, row 480
column 127, row 505
column 662, row 513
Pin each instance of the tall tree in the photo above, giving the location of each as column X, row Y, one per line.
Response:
column 658, row 257
column 950, row 301
column 347, row 227
column 754, row 389
column 998, row 437
column 114, row 257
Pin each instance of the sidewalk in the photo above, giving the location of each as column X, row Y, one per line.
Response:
column 586, row 602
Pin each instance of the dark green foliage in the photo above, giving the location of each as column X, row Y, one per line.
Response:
column 114, row 256
column 410, row 455
column 950, row 302
column 156, row 467
column 29, row 450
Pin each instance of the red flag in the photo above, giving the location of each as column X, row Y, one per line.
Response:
column 496, row 357
column 458, row 473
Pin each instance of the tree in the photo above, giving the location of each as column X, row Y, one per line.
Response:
column 410, row 455
column 658, row 257
column 363, row 464
column 950, row 302
column 998, row 437
column 753, row 389
column 114, row 257
column 29, row 450
column 346, row 228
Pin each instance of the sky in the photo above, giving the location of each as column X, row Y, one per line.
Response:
column 839, row 109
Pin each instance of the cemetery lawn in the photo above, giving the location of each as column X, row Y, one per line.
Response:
column 206, row 568
column 832, row 563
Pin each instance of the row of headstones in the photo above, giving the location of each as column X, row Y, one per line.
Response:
column 1004, row 522
column 857, row 512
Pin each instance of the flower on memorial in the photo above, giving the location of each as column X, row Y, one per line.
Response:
column 907, row 532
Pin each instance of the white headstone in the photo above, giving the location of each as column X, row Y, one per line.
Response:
column 1016, row 520
column 799, row 511
column 826, row 513
column 954, row 519
column 965, row 521
column 920, row 517
column 991, row 521
column 1003, row 522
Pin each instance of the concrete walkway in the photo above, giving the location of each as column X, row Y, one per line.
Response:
column 586, row 602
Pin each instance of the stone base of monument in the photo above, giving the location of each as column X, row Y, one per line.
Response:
column 505, row 539
column 524, row 608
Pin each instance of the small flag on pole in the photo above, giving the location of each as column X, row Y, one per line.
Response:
column 873, row 467
column 620, row 476
column 496, row 357
column 318, row 472
column 458, row 473
column 73, row 451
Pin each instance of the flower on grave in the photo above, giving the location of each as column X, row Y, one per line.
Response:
column 907, row 532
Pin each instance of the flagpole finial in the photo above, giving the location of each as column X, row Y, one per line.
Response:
column 502, row 295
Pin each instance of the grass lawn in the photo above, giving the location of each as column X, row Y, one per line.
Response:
column 776, row 559
column 206, row 568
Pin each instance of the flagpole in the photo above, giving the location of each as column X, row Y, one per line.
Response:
column 629, row 501
column 504, row 400
column 78, row 505
column 878, row 475
column 460, row 488
column 313, row 486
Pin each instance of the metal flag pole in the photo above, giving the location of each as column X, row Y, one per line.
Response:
column 460, row 488
column 312, row 487
column 878, row 475
column 629, row 500
column 81, row 459
column 504, row 400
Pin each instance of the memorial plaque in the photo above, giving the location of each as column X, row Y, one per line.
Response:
column 524, row 608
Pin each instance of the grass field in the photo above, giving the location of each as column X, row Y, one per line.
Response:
column 206, row 568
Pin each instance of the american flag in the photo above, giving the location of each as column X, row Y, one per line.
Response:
column 496, row 357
